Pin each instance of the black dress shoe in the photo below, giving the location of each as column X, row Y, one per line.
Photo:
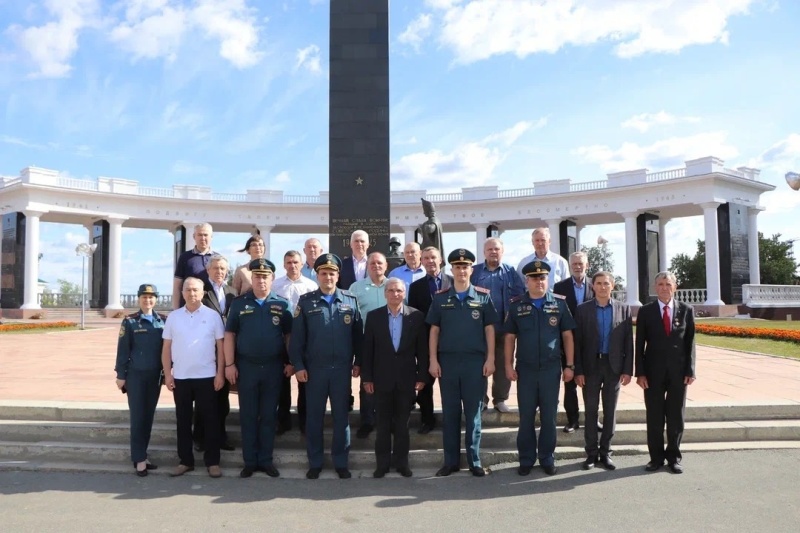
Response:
column 550, row 470
column 269, row 470
column 344, row 473
column 589, row 463
column 246, row 472
column 446, row 471
column 478, row 471
column 227, row 446
column 571, row 427
column 151, row 466
column 313, row 473
column 524, row 470
column 652, row 466
column 607, row 463
column 675, row 468
column 141, row 473
column 364, row 431
column 404, row 471
column 424, row 429
column 380, row 472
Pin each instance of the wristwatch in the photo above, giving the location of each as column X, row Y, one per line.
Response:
column 571, row 367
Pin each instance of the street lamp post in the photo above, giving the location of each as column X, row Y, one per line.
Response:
column 84, row 250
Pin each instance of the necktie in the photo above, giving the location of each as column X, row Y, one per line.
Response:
column 667, row 322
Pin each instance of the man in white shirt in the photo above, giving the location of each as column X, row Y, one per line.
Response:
column 559, row 268
column 354, row 267
column 193, row 351
column 412, row 270
column 292, row 286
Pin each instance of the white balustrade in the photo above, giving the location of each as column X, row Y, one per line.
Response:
column 691, row 296
column 771, row 295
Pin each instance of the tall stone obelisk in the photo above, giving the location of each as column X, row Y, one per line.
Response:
column 359, row 123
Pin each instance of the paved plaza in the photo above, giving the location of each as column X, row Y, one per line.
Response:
column 78, row 366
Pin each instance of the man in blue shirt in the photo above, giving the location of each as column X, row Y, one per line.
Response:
column 503, row 283
column 312, row 249
column 412, row 270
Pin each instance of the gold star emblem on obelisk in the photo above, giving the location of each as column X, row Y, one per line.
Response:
column 359, row 181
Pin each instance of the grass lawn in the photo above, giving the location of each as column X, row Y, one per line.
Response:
column 783, row 348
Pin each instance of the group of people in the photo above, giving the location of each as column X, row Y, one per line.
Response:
column 329, row 320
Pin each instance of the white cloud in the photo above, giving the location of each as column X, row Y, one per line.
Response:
column 173, row 117
column 52, row 45
column 468, row 165
column 666, row 153
column 156, row 28
column 187, row 167
column 309, row 59
column 645, row 121
column 784, row 155
column 479, row 29
column 283, row 177
column 416, row 31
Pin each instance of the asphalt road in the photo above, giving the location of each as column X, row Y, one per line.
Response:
column 741, row 491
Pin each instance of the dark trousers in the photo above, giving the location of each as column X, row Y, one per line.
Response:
column 285, row 405
column 501, row 385
column 665, row 398
column 392, row 411
column 537, row 389
column 324, row 384
column 462, row 384
column 366, row 406
column 144, row 388
column 223, row 410
column 603, row 382
column 571, row 398
column 425, row 401
column 201, row 393
column 259, row 389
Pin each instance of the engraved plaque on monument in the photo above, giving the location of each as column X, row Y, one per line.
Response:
column 734, row 260
column 647, row 228
column 359, row 123
column 12, row 272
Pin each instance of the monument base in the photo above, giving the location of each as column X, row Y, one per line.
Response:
column 771, row 313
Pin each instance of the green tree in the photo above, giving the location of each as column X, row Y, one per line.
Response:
column 66, row 287
column 602, row 258
column 776, row 261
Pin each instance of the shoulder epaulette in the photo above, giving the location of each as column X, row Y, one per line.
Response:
column 443, row 290
column 134, row 315
column 559, row 296
column 516, row 299
column 162, row 317
column 305, row 296
column 347, row 293
column 279, row 297
column 482, row 290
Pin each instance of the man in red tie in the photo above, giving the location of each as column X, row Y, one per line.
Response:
column 665, row 366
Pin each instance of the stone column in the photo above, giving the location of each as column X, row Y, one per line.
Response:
column 408, row 234
column 114, row 263
column 31, row 294
column 752, row 246
column 90, row 239
column 578, row 229
column 631, row 260
column 555, row 241
column 480, row 239
column 266, row 234
column 712, row 253
column 662, row 244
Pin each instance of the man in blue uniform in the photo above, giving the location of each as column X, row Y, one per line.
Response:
column 538, row 324
column 256, row 333
column 461, row 344
column 325, row 350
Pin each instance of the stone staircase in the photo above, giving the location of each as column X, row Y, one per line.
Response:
column 94, row 437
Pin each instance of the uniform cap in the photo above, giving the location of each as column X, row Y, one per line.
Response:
column 262, row 266
column 329, row 262
column 461, row 257
column 147, row 288
column 536, row 268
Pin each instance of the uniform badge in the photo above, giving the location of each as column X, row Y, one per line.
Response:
column 276, row 320
column 297, row 311
column 122, row 331
column 476, row 314
column 553, row 321
column 347, row 319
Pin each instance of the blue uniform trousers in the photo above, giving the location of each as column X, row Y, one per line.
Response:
column 323, row 384
column 144, row 388
column 259, row 390
column 537, row 389
column 462, row 384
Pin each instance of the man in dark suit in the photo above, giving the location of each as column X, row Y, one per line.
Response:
column 354, row 267
column 665, row 362
column 420, row 296
column 576, row 289
column 394, row 365
column 217, row 295
column 603, row 361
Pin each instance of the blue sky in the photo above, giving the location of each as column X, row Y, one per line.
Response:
column 233, row 94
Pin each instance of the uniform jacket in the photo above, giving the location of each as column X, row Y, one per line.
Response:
column 382, row 364
column 462, row 323
column 326, row 335
column 260, row 329
column 139, row 345
column 587, row 339
column 566, row 289
column 659, row 354
column 538, row 331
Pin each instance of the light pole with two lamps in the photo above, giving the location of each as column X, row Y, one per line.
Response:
column 84, row 250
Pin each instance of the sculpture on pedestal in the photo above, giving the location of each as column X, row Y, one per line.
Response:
column 431, row 229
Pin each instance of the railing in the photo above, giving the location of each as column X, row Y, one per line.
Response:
column 619, row 295
column 161, row 192
column 691, row 296
column 229, row 197
column 131, row 301
column 771, row 295
column 588, row 186
column 301, row 199
column 516, row 193
column 666, row 175
column 444, row 197
column 56, row 299
column 74, row 183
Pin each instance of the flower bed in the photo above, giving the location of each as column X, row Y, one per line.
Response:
column 24, row 326
column 757, row 333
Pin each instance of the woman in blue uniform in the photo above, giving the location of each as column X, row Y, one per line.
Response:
column 138, row 371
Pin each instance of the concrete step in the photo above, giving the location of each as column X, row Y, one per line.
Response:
column 77, row 457
column 101, row 433
column 626, row 414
